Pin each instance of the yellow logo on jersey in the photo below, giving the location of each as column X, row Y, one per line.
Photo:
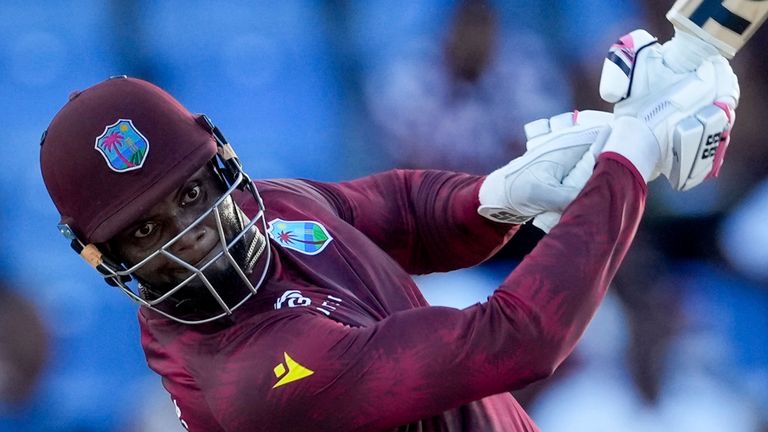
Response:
column 290, row 371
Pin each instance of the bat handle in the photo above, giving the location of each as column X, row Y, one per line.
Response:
column 685, row 52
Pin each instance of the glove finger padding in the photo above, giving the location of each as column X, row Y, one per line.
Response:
column 619, row 65
column 728, row 90
column 532, row 184
column 575, row 180
column 525, row 188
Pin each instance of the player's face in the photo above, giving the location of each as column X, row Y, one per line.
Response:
column 199, row 245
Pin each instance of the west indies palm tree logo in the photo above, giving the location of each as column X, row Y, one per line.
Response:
column 307, row 237
column 123, row 146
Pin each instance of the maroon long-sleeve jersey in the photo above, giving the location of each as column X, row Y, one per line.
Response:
column 339, row 338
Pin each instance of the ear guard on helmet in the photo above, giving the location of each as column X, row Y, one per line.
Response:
column 93, row 256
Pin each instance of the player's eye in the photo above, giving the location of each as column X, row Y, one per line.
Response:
column 145, row 230
column 191, row 195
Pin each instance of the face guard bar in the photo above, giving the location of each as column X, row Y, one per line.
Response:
column 229, row 167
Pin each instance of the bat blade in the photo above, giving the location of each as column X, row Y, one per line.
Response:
column 725, row 24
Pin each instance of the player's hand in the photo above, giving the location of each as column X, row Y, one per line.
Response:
column 690, row 114
column 577, row 177
column 533, row 183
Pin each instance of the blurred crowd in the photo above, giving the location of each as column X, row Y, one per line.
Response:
column 337, row 89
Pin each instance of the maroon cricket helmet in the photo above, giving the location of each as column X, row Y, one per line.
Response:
column 115, row 150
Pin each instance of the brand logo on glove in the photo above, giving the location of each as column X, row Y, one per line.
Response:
column 710, row 148
column 505, row 216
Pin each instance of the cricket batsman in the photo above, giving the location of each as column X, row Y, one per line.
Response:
column 288, row 305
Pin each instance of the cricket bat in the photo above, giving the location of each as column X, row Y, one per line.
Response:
column 702, row 28
column 725, row 25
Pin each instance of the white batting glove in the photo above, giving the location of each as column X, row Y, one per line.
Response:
column 577, row 177
column 690, row 114
column 533, row 184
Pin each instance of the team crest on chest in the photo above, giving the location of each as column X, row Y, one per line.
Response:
column 307, row 237
column 123, row 146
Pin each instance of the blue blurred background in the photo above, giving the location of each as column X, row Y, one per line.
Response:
column 355, row 87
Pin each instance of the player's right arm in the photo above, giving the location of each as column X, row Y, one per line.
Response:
column 419, row 363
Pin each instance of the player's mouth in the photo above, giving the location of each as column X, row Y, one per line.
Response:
column 182, row 273
column 210, row 256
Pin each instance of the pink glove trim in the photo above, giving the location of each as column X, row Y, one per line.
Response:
column 725, row 139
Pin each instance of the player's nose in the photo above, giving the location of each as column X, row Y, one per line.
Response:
column 195, row 242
